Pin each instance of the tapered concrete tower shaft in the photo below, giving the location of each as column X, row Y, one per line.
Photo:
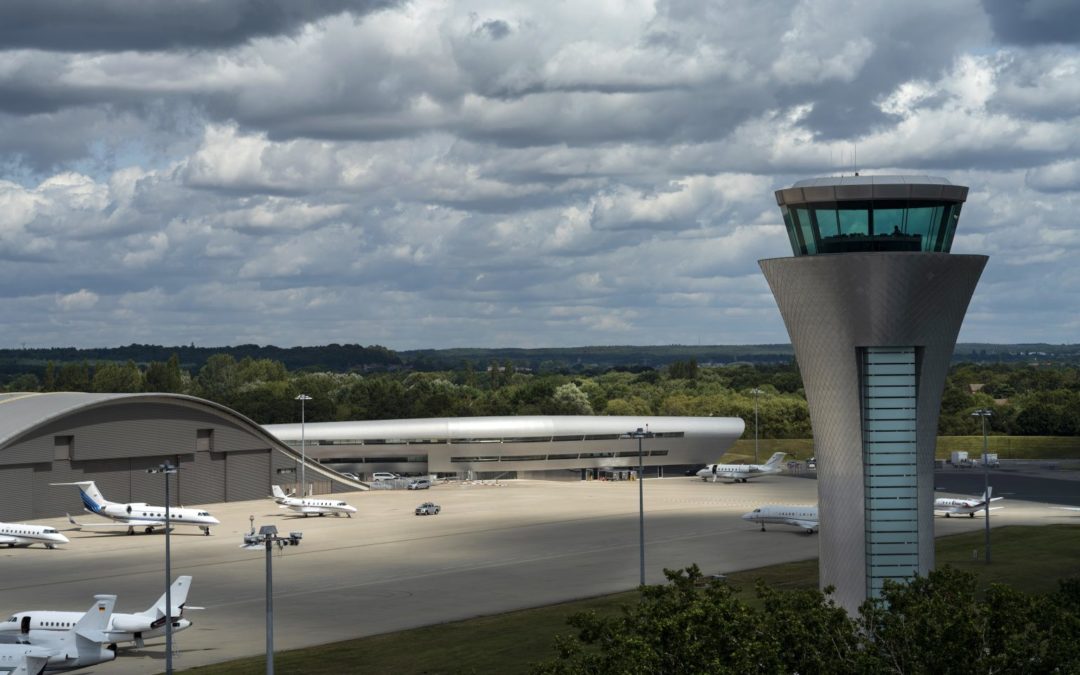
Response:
column 873, row 314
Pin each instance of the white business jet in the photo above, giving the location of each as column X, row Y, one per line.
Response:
column 136, row 627
column 77, row 645
column 18, row 534
column 969, row 507
column 308, row 506
column 805, row 517
column 740, row 473
column 137, row 514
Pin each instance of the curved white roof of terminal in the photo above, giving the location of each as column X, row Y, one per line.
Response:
column 446, row 428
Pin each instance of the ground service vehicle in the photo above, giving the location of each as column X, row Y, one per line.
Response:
column 427, row 509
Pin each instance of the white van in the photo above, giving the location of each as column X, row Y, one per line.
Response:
column 420, row 484
column 383, row 475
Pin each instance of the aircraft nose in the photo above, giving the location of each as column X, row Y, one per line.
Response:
column 61, row 539
column 748, row 516
column 214, row 520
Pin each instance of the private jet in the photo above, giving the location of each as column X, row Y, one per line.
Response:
column 740, row 473
column 137, row 514
column 969, row 507
column 77, row 645
column 308, row 506
column 136, row 627
column 18, row 534
column 805, row 517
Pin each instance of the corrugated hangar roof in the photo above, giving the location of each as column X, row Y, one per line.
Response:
column 21, row 412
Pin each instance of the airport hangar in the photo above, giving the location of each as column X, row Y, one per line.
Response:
column 223, row 456
column 541, row 447
column 112, row 439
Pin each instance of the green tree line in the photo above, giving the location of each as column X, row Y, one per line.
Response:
column 1027, row 401
column 934, row 624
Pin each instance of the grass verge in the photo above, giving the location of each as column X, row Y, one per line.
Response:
column 510, row 643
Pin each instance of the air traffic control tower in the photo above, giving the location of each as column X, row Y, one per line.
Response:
column 873, row 302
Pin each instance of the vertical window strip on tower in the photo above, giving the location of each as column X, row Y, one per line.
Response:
column 889, row 466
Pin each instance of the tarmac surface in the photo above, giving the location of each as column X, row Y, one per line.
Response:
column 494, row 548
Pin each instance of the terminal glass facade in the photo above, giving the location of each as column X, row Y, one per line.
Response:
column 877, row 225
column 890, row 477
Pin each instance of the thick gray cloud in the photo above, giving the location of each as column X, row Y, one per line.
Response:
column 152, row 25
column 1033, row 22
column 438, row 174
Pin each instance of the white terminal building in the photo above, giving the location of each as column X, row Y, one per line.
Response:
column 534, row 446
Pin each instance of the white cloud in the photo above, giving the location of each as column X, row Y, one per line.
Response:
column 79, row 300
column 514, row 173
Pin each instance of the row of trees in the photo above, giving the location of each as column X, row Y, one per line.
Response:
column 1040, row 401
column 937, row 624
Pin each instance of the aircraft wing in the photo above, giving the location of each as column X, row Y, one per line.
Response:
column 5, row 539
column 308, row 509
column 130, row 522
column 806, row 524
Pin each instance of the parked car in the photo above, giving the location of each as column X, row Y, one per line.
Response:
column 383, row 475
column 419, row 484
column 427, row 509
column 350, row 475
column 811, row 463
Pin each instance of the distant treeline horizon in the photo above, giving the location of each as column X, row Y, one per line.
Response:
column 343, row 358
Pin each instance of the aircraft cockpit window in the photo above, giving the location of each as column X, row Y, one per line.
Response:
column 757, row 510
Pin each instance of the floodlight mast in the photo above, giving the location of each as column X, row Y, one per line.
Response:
column 267, row 537
column 303, row 398
column 167, row 469
column 640, row 434
column 982, row 414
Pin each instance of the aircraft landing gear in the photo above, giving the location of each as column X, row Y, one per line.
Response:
column 763, row 527
column 947, row 515
column 205, row 531
column 131, row 530
column 971, row 515
column 49, row 546
column 149, row 530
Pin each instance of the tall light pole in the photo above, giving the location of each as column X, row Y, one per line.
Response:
column 267, row 536
column 640, row 434
column 167, row 469
column 756, row 392
column 983, row 413
column 303, row 451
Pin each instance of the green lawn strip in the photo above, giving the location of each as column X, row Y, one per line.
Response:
column 1030, row 559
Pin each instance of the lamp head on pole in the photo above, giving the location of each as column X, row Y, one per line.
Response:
column 162, row 468
column 983, row 412
column 302, row 397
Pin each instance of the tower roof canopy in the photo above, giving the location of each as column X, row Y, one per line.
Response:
column 855, row 188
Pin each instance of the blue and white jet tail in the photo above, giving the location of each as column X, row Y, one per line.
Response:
column 775, row 459
column 92, row 498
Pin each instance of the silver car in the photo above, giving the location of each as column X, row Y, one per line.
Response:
column 427, row 509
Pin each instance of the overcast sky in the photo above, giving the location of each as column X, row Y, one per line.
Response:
column 506, row 173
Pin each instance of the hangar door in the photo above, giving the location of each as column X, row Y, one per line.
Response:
column 17, row 488
column 247, row 475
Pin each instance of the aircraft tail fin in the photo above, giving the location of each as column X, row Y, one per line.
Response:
column 775, row 459
column 92, row 498
column 90, row 629
column 278, row 492
column 179, row 593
